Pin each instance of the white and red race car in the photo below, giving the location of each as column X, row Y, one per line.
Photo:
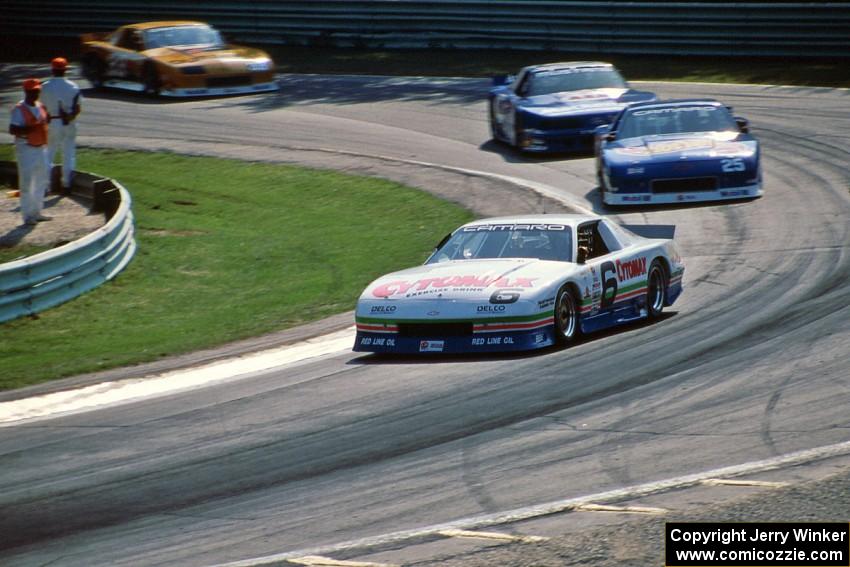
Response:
column 519, row 283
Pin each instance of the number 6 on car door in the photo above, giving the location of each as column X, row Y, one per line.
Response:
column 609, row 284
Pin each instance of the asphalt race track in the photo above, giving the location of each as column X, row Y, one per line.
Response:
column 753, row 362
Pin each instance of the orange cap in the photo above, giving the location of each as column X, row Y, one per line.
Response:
column 59, row 64
column 32, row 85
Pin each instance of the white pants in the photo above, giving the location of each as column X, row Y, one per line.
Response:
column 63, row 136
column 33, row 178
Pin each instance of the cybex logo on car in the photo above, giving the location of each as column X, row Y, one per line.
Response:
column 401, row 287
column 384, row 308
column 631, row 269
column 491, row 308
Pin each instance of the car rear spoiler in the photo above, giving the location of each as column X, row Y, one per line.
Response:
column 94, row 36
column 499, row 80
column 666, row 231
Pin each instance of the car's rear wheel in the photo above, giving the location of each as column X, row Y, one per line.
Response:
column 150, row 80
column 656, row 290
column 94, row 70
column 567, row 327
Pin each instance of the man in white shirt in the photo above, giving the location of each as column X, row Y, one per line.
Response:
column 29, row 127
column 62, row 99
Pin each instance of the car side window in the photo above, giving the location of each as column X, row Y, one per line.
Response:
column 120, row 37
column 523, row 85
column 590, row 242
column 136, row 41
column 609, row 236
column 615, row 125
column 130, row 39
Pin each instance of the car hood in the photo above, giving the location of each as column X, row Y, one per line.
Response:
column 182, row 55
column 584, row 101
column 473, row 280
column 703, row 145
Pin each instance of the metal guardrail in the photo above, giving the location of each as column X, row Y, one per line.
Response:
column 44, row 280
column 779, row 29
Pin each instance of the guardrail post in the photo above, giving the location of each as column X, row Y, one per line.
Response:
column 105, row 197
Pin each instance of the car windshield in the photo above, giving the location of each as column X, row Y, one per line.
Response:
column 542, row 241
column 675, row 120
column 181, row 36
column 563, row 80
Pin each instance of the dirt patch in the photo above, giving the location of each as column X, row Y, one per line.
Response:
column 71, row 220
column 168, row 232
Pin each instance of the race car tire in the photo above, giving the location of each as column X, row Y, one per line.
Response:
column 494, row 129
column 518, row 129
column 656, row 290
column 600, row 180
column 150, row 80
column 567, row 326
column 94, row 70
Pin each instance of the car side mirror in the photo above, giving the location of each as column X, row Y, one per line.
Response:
column 743, row 124
column 442, row 242
column 610, row 136
column 438, row 247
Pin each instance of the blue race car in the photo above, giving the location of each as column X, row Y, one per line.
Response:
column 557, row 107
column 677, row 151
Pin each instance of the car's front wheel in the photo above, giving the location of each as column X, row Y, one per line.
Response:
column 567, row 327
column 150, row 80
column 656, row 290
column 94, row 70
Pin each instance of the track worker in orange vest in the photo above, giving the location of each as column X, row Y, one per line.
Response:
column 29, row 127
column 61, row 97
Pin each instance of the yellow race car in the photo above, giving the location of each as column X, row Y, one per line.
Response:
column 179, row 58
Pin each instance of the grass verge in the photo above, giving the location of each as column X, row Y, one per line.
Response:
column 227, row 250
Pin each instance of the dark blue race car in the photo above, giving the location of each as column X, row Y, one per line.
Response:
column 677, row 151
column 556, row 107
